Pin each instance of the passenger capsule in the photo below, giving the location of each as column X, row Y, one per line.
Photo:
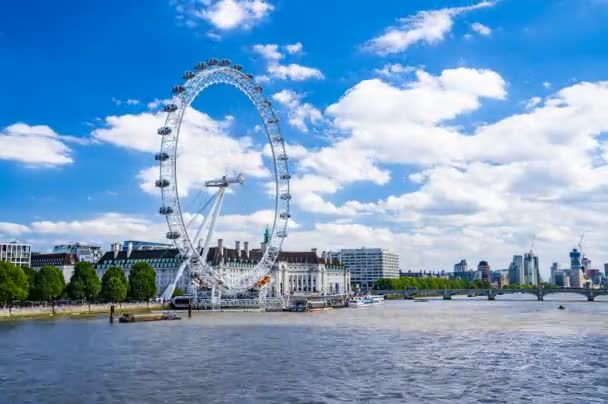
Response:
column 178, row 89
column 165, row 130
column 285, row 215
column 165, row 210
column 273, row 120
column 258, row 89
column 267, row 103
column 283, row 157
column 173, row 235
column 281, row 234
column 189, row 75
column 162, row 183
column 225, row 62
column 237, row 67
column 170, row 108
column 286, row 196
column 249, row 76
column 200, row 66
column 161, row 157
column 212, row 62
column 277, row 139
column 285, row 177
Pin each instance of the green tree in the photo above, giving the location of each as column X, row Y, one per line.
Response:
column 14, row 284
column 115, row 290
column 31, row 278
column 111, row 291
column 142, row 281
column 48, row 283
column 85, row 283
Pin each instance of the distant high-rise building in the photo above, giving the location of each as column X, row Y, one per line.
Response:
column 531, row 269
column 561, row 279
column 575, row 259
column 606, row 270
column 484, row 268
column 554, row 269
column 462, row 266
column 516, row 270
column 367, row 265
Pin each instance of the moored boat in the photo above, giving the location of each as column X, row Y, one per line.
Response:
column 369, row 300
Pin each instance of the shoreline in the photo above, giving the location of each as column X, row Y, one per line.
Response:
column 80, row 311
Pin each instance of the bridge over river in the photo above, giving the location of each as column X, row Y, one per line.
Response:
column 447, row 294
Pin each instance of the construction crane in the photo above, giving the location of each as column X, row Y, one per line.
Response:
column 532, row 243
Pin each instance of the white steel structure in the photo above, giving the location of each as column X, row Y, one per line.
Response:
column 188, row 241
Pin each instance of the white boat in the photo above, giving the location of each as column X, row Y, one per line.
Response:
column 369, row 300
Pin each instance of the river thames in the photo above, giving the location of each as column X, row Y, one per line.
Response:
column 464, row 350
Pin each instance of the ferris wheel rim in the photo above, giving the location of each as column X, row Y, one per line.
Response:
column 212, row 73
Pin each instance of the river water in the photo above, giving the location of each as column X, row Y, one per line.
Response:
column 464, row 350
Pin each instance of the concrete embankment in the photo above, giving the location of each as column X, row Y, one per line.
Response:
column 47, row 311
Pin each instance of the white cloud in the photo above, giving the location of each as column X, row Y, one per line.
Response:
column 294, row 48
column 200, row 138
column 269, row 52
column 533, row 102
column 389, row 70
column 481, row 29
column 294, row 72
column 129, row 101
column 36, row 145
column 299, row 113
column 227, row 15
column 291, row 71
column 428, row 27
column 13, row 229
column 546, row 84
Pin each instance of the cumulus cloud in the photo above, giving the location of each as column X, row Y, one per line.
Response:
column 226, row 15
column 291, row 71
column 294, row 72
column 37, row 145
column 393, row 69
column 481, row 29
column 200, row 138
column 294, row 48
column 268, row 51
column 428, row 27
column 299, row 112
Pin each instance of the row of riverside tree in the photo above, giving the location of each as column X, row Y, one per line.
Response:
column 47, row 284
column 408, row 282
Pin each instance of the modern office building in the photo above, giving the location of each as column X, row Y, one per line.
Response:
column 484, row 268
column 606, row 270
column 461, row 266
column 84, row 252
column 554, row 268
column 577, row 276
column 16, row 253
column 524, row 269
column 64, row 261
column 575, row 259
column 516, row 270
column 531, row 269
column 367, row 265
column 561, row 279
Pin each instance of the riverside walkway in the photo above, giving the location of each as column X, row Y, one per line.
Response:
column 447, row 294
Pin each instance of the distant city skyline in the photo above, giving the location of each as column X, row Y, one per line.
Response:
column 439, row 130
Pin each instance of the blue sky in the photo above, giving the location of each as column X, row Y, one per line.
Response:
column 439, row 129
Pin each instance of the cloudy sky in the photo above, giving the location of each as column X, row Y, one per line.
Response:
column 438, row 129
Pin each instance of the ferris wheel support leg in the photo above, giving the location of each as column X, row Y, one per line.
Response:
column 168, row 293
column 197, row 237
column 214, row 214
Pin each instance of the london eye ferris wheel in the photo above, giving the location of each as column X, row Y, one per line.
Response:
column 193, row 242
